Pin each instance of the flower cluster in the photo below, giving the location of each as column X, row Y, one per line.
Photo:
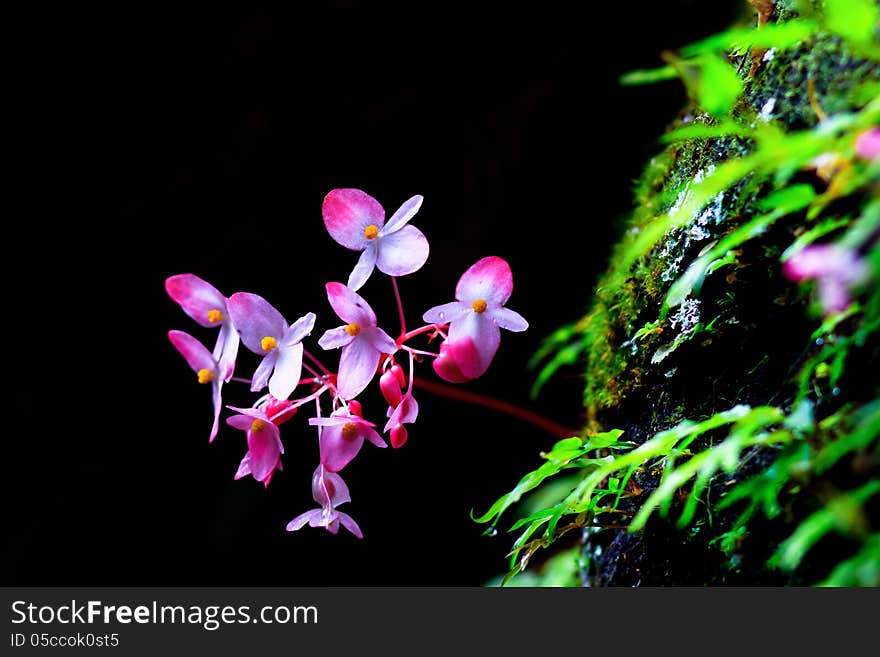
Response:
column 468, row 328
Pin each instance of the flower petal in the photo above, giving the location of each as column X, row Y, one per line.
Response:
column 350, row 306
column 335, row 338
column 406, row 412
column 373, row 436
column 288, row 368
column 244, row 468
column 404, row 213
column 328, row 488
column 196, row 296
column 347, row 213
column 357, row 365
column 255, row 318
column 299, row 330
column 508, row 319
column 332, row 421
column 380, row 340
column 337, row 450
column 226, row 349
column 489, row 279
column 446, row 365
column 402, row 252
column 364, row 267
column 196, row 354
column 303, row 519
column 216, row 386
column 474, row 340
column 264, row 370
column 264, row 447
column 446, row 313
column 242, row 422
column 349, row 523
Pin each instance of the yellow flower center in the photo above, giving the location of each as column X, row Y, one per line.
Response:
column 268, row 343
column 479, row 306
column 205, row 375
column 349, row 430
column 257, row 426
column 353, row 329
column 371, row 232
column 215, row 316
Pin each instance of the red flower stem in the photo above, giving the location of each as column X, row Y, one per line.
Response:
column 399, row 305
column 424, row 329
column 317, row 362
column 468, row 397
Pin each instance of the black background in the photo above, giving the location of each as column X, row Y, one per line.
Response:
column 204, row 140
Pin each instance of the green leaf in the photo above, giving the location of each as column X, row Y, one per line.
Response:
column 648, row 76
column 719, row 86
column 703, row 131
column 855, row 20
column 779, row 36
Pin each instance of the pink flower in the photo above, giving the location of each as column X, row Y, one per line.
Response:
column 330, row 491
column 446, row 364
column 355, row 220
column 391, row 383
column 265, row 332
column 406, row 412
column 205, row 366
column 362, row 342
column 837, row 270
column 868, row 144
column 474, row 319
column 264, row 444
column 204, row 303
column 342, row 436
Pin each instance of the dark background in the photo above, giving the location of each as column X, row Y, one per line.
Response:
column 204, row 141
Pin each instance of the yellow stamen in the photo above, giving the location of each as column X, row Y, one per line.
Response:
column 205, row 375
column 353, row 329
column 257, row 426
column 215, row 316
column 371, row 232
column 268, row 343
column 349, row 430
column 479, row 306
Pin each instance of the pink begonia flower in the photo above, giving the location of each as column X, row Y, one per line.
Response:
column 204, row 303
column 356, row 220
column 446, row 364
column 328, row 490
column 279, row 411
column 206, row 367
column 391, row 383
column 868, row 144
column 406, row 412
column 265, row 332
column 362, row 342
column 342, row 436
column 264, row 444
column 474, row 319
column 837, row 270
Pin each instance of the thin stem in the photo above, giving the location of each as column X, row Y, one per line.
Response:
column 315, row 360
column 313, row 371
column 420, row 352
column 305, row 400
column 451, row 392
column 239, row 379
column 424, row 329
column 399, row 306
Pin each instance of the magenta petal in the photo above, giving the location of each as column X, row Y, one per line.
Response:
column 364, row 266
column 196, row 296
column 508, row 319
column 288, row 368
column 349, row 306
column 349, row 523
column 402, row 252
column 834, row 295
column 373, row 436
column 264, row 370
column 255, row 318
column 303, row 519
column 336, row 450
column 446, row 365
column 328, row 488
column 226, row 349
column 489, row 279
column 244, row 468
column 264, row 446
column 405, row 413
column 380, row 340
column 446, row 313
column 357, row 365
column 242, row 422
column 474, row 340
column 347, row 213
column 404, row 213
column 868, row 144
column 196, row 354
